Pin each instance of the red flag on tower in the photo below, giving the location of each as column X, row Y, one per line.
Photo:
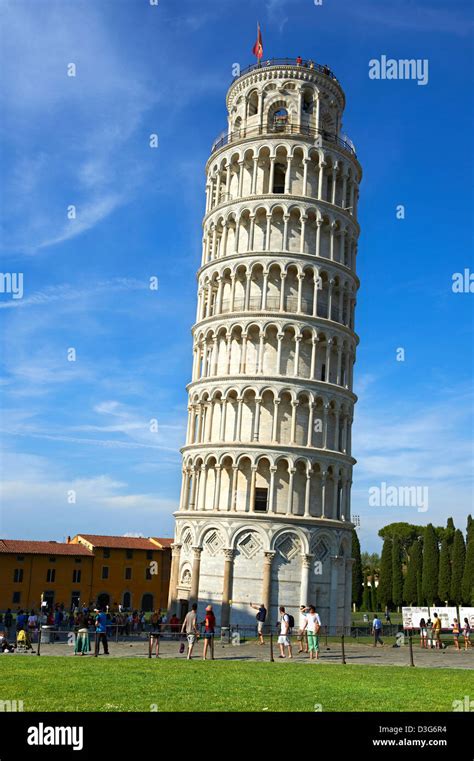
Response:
column 257, row 49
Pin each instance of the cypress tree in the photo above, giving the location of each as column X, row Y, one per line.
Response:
column 457, row 569
column 366, row 601
column 444, row 576
column 374, row 594
column 357, row 576
column 467, row 587
column 410, row 587
column 385, row 580
column 397, row 572
column 430, row 566
column 419, row 571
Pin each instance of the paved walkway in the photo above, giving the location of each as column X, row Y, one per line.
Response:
column 356, row 653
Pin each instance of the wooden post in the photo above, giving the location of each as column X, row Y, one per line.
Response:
column 271, row 648
column 96, row 650
column 343, row 650
column 39, row 641
column 149, row 645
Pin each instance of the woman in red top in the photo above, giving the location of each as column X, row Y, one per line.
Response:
column 210, row 624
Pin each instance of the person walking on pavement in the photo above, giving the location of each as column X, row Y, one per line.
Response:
column 377, row 630
column 189, row 627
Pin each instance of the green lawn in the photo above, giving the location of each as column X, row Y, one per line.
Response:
column 65, row 684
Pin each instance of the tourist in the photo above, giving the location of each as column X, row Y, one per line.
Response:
column 4, row 644
column 377, row 630
column 312, row 627
column 284, row 635
column 155, row 632
column 302, row 630
column 423, row 632
column 209, row 629
column 429, row 633
column 456, row 632
column 21, row 621
column 101, row 629
column 466, row 633
column 437, row 631
column 189, row 627
column 8, row 621
column 387, row 615
column 261, row 616
column 299, row 61
column 174, row 626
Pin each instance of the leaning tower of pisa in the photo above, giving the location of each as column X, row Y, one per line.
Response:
column 264, row 514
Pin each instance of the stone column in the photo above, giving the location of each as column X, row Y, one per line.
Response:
column 253, row 478
column 267, row 582
column 286, row 218
column 264, row 290
column 305, row 574
column 289, row 509
column 307, row 495
column 174, row 575
column 309, row 440
column 271, row 495
column 282, row 292
column 227, row 586
column 319, row 224
column 217, row 487
column 276, row 402
column 349, row 562
column 194, row 593
column 256, row 428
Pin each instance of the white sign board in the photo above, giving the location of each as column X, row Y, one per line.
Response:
column 446, row 615
column 411, row 617
column 466, row 613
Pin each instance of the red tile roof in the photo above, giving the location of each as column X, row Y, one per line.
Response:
column 162, row 541
column 25, row 547
column 118, row 542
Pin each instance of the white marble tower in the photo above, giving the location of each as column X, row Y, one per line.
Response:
column 267, row 467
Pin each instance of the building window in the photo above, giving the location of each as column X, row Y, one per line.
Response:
column 261, row 499
column 105, row 571
column 149, row 554
column 128, row 573
column 129, row 554
column 148, row 575
column 51, row 574
column 78, row 560
column 18, row 575
column 76, row 576
column 52, row 560
column 16, row 597
column 20, row 557
column 106, row 552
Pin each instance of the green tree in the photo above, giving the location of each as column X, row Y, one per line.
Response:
column 444, row 576
column 430, row 565
column 413, row 574
column 385, row 581
column 373, row 591
column 357, row 577
column 397, row 572
column 366, row 596
column 457, row 568
column 467, row 586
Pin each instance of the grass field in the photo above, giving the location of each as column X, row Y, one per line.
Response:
column 63, row 684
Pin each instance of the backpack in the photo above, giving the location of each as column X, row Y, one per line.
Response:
column 291, row 621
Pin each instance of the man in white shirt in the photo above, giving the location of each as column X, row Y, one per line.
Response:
column 284, row 637
column 302, row 635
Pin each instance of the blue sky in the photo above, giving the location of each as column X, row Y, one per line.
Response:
column 83, row 141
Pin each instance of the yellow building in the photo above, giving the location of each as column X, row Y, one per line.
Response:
column 105, row 570
column 131, row 571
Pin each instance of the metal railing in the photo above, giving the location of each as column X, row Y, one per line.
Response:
column 285, row 129
column 305, row 64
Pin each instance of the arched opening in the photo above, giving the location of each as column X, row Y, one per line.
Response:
column 127, row 600
column 280, row 120
column 147, row 602
column 279, row 178
column 103, row 600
